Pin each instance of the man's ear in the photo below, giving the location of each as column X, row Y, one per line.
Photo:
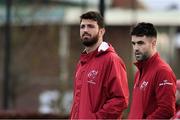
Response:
column 102, row 31
column 154, row 42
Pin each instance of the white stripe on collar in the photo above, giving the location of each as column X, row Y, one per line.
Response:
column 103, row 47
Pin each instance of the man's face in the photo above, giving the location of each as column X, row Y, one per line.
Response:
column 142, row 47
column 89, row 32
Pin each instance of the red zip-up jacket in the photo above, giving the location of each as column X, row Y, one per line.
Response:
column 154, row 90
column 100, row 85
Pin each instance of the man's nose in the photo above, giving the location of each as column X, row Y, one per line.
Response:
column 136, row 47
column 85, row 28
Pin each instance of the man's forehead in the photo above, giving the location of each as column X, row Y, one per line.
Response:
column 138, row 38
column 88, row 21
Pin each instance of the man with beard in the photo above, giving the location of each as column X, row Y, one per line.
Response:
column 155, row 83
column 100, row 82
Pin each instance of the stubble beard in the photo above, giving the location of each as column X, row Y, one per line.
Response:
column 141, row 56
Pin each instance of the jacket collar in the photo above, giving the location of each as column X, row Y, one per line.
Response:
column 144, row 64
column 103, row 48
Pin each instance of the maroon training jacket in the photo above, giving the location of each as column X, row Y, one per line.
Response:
column 100, row 85
column 154, row 90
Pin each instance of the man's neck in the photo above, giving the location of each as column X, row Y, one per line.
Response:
column 93, row 48
column 153, row 53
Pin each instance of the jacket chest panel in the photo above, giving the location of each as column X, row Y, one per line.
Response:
column 88, row 85
column 146, row 89
column 145, row 84
column 89, row 74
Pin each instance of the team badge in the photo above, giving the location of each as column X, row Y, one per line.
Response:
column 91, row 76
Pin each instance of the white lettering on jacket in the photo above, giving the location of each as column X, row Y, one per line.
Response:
column 165, row 82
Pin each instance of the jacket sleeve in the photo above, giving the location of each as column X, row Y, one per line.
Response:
column 116, row 89
column 165, row 95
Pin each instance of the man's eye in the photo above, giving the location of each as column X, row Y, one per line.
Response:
column 82, row 26
column 133, row 43
column 91, row 26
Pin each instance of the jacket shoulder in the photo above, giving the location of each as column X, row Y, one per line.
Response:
column 162, row 66
column 112, row 56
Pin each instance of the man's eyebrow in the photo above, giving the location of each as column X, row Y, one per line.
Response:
column 138, row 42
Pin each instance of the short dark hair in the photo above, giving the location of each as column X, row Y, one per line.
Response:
column 144, row 29
column 95, row 16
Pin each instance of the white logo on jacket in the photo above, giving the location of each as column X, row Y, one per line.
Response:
column 143, row 85
column 91, row 76
column 165, row 82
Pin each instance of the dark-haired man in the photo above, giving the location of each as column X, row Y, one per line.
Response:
column 100, row 83
column 155, row 83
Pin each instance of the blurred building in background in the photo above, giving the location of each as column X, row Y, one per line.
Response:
column 45, row 45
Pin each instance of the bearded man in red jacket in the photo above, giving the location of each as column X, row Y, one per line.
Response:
column 155, row 83
column 100, row 82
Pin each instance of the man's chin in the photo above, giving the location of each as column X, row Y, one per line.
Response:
column 88, row 44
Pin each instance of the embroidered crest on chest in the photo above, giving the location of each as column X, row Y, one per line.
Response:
column 143, row 85
column 92, row 76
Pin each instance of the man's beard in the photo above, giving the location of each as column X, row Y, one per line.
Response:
column 141, row 56
column 90, row 41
